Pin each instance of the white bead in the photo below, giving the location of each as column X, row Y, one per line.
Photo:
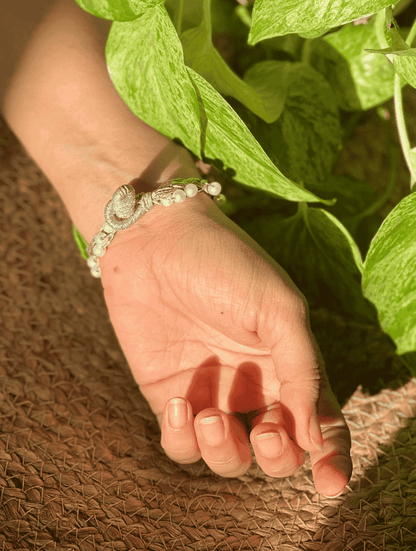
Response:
column 179, row 195
column 107, row 228
column 191, row 190
column 214, row 188
column 91, row 262
column 96, row 272
column 167, row 201
column 98, row 251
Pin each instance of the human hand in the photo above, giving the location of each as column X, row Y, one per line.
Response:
column 203, row 313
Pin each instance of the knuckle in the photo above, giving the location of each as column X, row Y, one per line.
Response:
column 300, row 306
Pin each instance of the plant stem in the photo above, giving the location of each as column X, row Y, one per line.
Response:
column 412, row 34
column 306, row 51
column 401, row 127
column 207, row 17
column 178, row 18
column 398, row 107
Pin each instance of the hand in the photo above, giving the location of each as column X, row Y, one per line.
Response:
column 203, row 313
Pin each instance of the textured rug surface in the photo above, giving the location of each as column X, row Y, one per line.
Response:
column 81, row 466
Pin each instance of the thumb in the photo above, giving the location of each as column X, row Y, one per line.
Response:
column 299, row 367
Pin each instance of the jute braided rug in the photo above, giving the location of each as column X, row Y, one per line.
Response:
column 81, row 466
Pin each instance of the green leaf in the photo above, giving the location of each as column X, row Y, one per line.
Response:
column 145, row 63
column 360, row 80
column 309, row 18
column 405, row 67
column 229, row 145
column 118, row 10
column 244, row 15
column 305, row 141
column 410, row 52
column 389, row 274
column 402, row 55
column 291, row 44
column 81, row 243
column 270, row 80
column 396, row 40
column 263, row 92
column 314, row 34
column 354, row 197
column 320, row 256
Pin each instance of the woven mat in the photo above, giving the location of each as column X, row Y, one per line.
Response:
column 81, row 466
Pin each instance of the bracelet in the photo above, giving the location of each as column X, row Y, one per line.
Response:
column 125, row 208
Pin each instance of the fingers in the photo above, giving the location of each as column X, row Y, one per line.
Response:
column 332, row 468
column 218, row 438
column 221, row 440
column 278, row 456
column 178, row 435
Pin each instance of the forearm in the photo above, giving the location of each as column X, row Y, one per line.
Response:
column 63, row 107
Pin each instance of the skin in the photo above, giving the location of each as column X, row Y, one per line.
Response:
column 202, row 312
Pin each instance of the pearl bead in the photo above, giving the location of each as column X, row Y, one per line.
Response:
column 191, row 190
column 107, row 228
column 91, row 262
column 179, row 196
column 96, row 272
column 214, row 188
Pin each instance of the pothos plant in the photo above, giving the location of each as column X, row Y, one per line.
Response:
column 276, row 133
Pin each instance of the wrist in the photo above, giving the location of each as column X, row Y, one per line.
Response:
column 86, row 187
column 63, row 107
column 166, row 217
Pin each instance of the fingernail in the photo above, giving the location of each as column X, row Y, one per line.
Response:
column 270, row 444
column 212, row 430
column 177, row 413
column 333, row 497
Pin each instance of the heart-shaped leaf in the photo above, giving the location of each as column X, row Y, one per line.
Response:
column 360, row 80
column 306, row 139
column 230, row 146
column 389, row 274
column 145, row 63
column 263, row 94
column 118, row 10
column 309, row 18
column 320, row 256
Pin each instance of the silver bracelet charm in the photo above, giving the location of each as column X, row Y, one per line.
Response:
column 129, row 207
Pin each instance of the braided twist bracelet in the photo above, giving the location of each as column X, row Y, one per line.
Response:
column 125, row 208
